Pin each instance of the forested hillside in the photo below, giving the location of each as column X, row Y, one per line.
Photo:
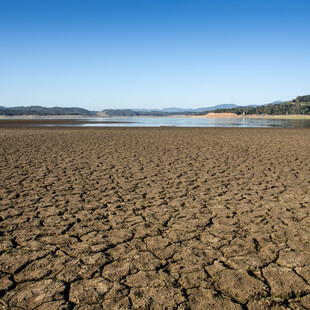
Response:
column 42, row 111
column 300, row 105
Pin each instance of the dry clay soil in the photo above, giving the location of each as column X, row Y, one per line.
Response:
column 162, row 218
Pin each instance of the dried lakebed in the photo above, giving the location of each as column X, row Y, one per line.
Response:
column 154, row 218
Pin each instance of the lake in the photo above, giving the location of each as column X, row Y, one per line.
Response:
column 196, row 122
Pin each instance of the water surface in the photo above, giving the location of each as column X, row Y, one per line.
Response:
column 197, row 122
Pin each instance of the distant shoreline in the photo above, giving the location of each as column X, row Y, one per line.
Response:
column 265, row 116
column 209, row 115
column 46, row 116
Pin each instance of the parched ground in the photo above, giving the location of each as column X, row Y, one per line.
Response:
column 154, row 218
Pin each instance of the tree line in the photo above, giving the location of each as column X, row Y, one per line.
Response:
column 42, row 111
column 285, row 108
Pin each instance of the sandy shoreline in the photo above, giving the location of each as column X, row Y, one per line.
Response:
column 139, row 218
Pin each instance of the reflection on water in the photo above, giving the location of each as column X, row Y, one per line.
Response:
column 198, row 122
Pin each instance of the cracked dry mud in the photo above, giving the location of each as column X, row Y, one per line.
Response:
column 162, row 218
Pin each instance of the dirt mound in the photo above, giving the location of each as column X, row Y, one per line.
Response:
column 221, row 115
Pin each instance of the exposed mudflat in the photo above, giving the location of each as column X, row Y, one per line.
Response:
column 154, row 218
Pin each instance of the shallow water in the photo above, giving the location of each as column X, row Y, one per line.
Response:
column 198, row 122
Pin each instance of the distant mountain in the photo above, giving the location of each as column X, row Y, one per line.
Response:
column 219, row 106
column 180, row 110
column 275, row 102
column 146, row 110
column 257, row 105
column 42, row 111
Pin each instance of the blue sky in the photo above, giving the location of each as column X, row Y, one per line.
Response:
column 153, row 54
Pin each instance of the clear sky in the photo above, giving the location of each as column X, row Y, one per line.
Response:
column 102, row 54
